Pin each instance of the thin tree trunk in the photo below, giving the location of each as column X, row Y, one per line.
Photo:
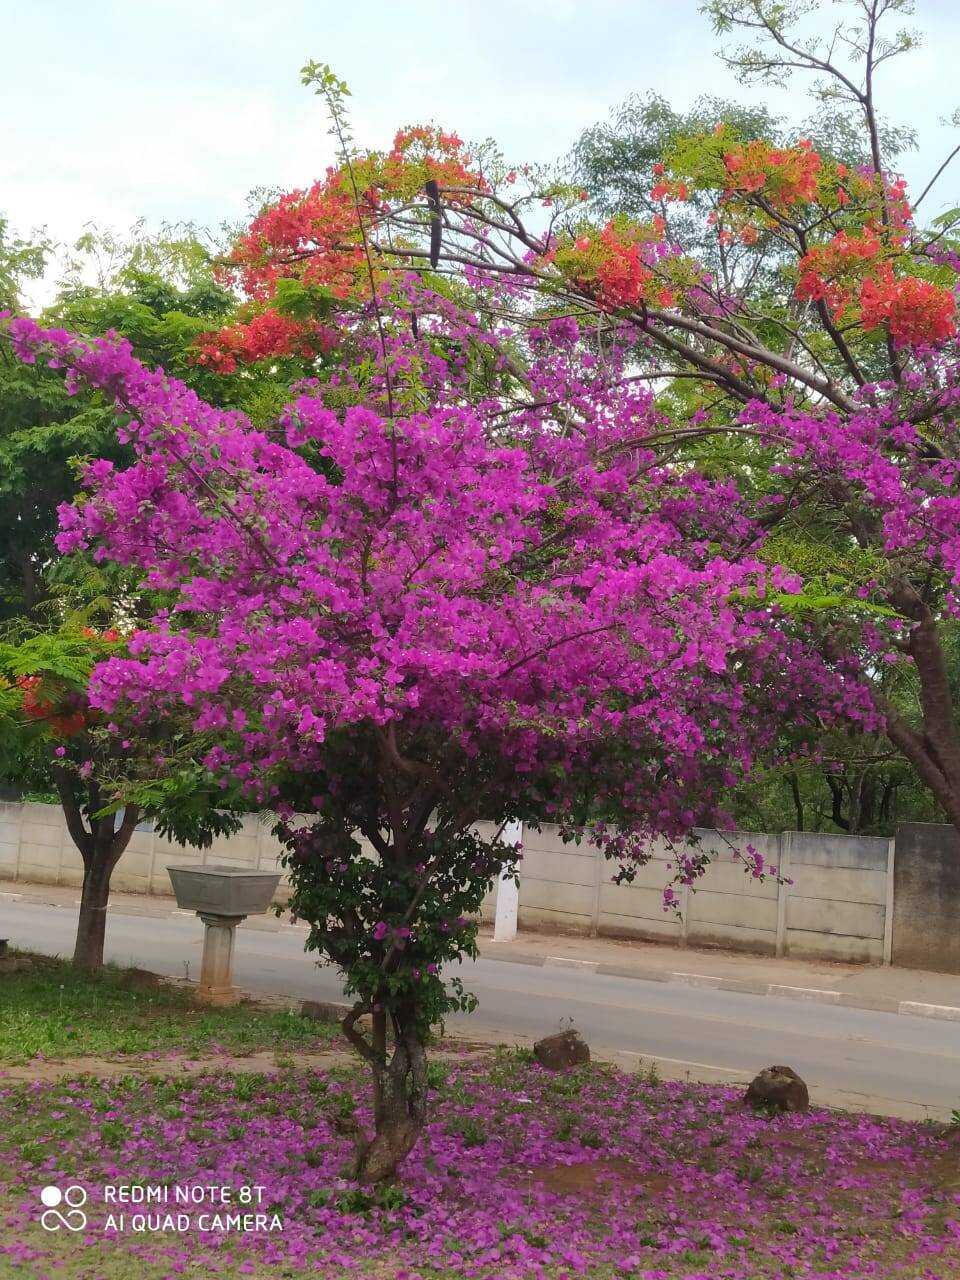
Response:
column 934, row 749
column 797, row 798
column 918, row 749
column 866, row 801
column 107, row 846
column 836, row 796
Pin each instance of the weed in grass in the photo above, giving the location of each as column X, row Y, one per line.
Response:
column 648, row 1072
column 469, row 1129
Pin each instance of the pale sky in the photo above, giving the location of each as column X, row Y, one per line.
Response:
column 176, row 109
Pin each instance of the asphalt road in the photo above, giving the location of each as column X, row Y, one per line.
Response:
column 887, row 1062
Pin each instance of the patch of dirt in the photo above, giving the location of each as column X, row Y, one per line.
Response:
column 593, row 1177
column 944, row 1169
column 171, row 1064
column 143, row 979
column 267, row 1061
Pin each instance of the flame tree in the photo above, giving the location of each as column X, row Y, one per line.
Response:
column 820, row 346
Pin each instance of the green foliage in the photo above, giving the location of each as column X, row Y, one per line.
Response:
column 326, row 83
column 355, row 1201
column 385, row 962
column 614, row 160
column 186, row 804
column 20, row 260
column 158, row 292
column 60, row 658
column 42, row 431
column 469, row 1128
column 304, row 301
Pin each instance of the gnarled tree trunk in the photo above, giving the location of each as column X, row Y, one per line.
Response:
column 100, row 843
column 399, row 1092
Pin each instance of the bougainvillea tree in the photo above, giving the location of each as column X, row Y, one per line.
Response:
column 825, row 333
column 410, row 608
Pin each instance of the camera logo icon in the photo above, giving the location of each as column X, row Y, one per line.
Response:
column 73, row 1217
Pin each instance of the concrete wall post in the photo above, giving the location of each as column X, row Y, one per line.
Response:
column 508, row 891
column 599, row 861
column 16, row 867
column 888, row 906
column 783, row 891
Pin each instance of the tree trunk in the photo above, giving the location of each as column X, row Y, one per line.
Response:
column 91, row 925
column 100, row 847
column 836, row 786
column 934, row 748
column 866, row 802
column 797, row 798
column 105, row 848
column 399, row 1114
column 399, row 1096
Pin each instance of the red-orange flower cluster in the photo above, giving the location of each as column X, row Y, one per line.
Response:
column 849, row 270
column 314, row 236
column 613, row 267
column 622, row 274
column 666, row 188
column 830, row 272
column 786, row 175
column 311, row 233
column 66, row 723
column 915, row 311
column 442, row 154
column 267, row 335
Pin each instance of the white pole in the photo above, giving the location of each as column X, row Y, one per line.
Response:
column 508, row 891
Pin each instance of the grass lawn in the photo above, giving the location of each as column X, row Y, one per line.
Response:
column 521, row 1175
column 52, row 1011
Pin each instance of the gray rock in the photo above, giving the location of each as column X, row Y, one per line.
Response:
column 324, row 1011
column 565, row 1049
column 779, row 1088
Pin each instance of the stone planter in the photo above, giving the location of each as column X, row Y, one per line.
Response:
column 227, row 891
column 222, row 897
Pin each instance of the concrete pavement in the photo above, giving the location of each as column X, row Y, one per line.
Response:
column 881, row 988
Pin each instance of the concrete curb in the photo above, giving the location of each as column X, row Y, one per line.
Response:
column 779, row 990
column 915, row 1008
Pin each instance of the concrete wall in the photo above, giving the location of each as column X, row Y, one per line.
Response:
column 35, row 846
column 836, row 907
column 838, row 903
column 926, row 897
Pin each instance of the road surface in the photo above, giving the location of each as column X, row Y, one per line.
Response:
column 886, row 1062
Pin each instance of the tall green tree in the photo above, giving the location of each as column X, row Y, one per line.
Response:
column 160, row 294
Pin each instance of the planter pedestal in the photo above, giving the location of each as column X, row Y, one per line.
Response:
column 216, row 967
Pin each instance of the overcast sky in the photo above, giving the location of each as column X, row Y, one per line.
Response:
column 175, row 109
